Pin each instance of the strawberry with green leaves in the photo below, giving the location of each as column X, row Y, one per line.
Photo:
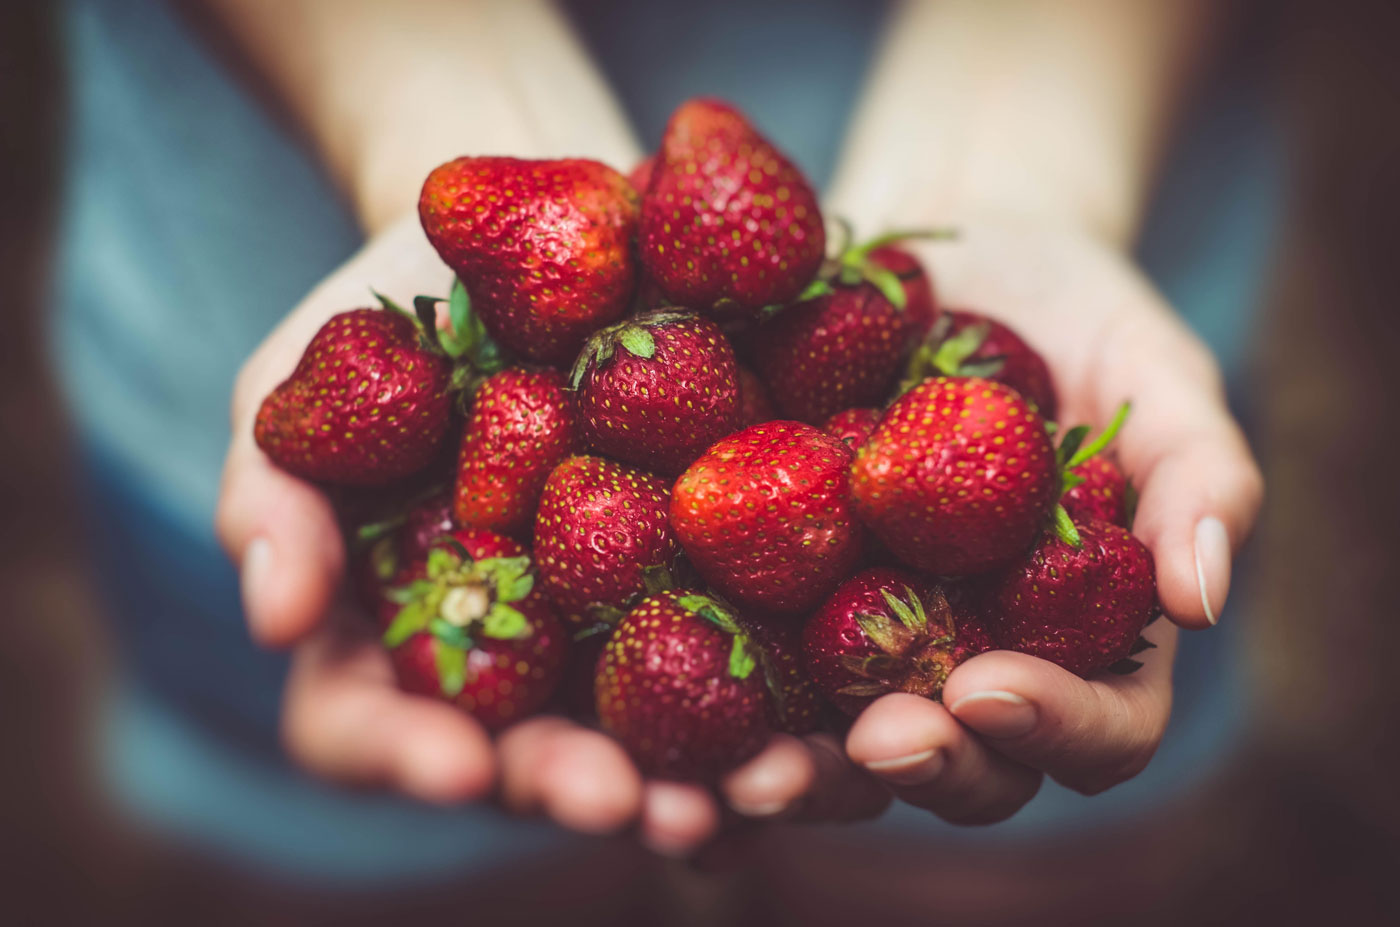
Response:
column 657, row 389
column 765, row 516
column 469, row 627
column 959, row 476
column 601, row 536
column 1104, row 494
column 543, row 247
column 965, row 344
column 886, row 630
column 728, row 224
column 683, row 687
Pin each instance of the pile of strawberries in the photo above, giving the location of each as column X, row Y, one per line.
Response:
column 667, row 460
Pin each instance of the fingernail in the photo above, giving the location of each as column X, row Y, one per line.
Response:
column 995, row 713
column 762, row 809
column 1212, row 565
column 913, row 769
column 257, row 564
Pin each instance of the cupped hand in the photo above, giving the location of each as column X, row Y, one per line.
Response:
column 1007, row 719
column 344, row 718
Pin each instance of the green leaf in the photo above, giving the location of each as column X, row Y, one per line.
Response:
column 516, row 589
column 920, row 616
column 449, row 633
column 605, row 615
column 637, row 340
column 1069, row 444
column 741, row 661
column 1140, row 645
column 657, row 578
column 452, row 668
column 710, row 610
column 425, row 307
column 901, row 610
column 818, row 287
column 459, row 310
column 1103, row 439
column 389, row 304
column 441, row 561
column 411, row 619
column 593, row 630
column 986, row 369
column 953, row 353
column 1064, row 527
column 504, row 623
column 898, row 235
column 1070, row 481
column 402, row 595
column 889, row 285
column 1125, row 667
column 890, row 636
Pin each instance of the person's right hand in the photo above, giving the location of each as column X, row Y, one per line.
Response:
column 344, row 718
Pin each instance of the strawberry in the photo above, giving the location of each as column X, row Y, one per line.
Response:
column 887, row 630
column 1082, row 606
column 471, row 629
column 755, row 405
column 920, row 304
column 853, row 426
column 681, row 686
column 765, row 516
column 382, row 548
column 968, row 344
column 795, row 705
column 1103, row 494
column 522, row 424
column 368, row 403
column 959, row 476
column 657, row 389
column 640, row 175
column 543, row 247
column 600, row 534
column 728, row 224
column 845, row 348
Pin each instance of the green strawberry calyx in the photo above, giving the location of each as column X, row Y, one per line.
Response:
column 633, row 335
column 945, row 353
column 1071, row 453
column 464, row 341
column 914, row 643
column 458, row 601
column 656, row 579
column 853, row 265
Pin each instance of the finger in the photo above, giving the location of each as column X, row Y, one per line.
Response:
column 1200, row 488
column 282, row 533
column 344, row 719
column 1086, row 734
column 773, row 781
column 677, row 817
column 931, row 761
column 843, row 791
column 580, row 778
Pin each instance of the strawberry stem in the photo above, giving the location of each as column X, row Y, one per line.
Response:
column 1103, row 438
column 1064, row 527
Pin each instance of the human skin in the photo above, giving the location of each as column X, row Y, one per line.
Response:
column 1031, row 126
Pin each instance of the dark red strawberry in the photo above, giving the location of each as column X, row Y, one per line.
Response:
column 728, row 224
column 755, row 405
column 959, row 477
column 1103, row 495
column 368, row 403
column 601, row 532
column 888, row 631
column 845, row 348
column 544, row 247
column 640, row 175
column 765, row 516
column 522, row 424
column 381, row 548
column 853, row 426
column 920, row 304
column 472, row 630
column 796, row 706
column 682, row 687
column 968, row 344
column 657, row 389
column 1081, row 607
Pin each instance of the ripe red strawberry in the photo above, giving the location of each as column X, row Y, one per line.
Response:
column 755, row 405
column 920, row 304
column 470, row 628
column 544, row 247
column 794, row 703
column 885, row 631
column 381, row 548
column 640, row 175
column 845, row 348
column 765, row 516
column 728, row 224
column 368, row 403
column 967, row 344
column 853, row 426
column 681, row 686
column 600, row 533
column 959, row 477
column 657, row 389
column 522, row 424
column 1081, row 607
column 1103, row 495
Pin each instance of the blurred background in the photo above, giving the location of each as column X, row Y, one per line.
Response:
column 1300, row 822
